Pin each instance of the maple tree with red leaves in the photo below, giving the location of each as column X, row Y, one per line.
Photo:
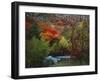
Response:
column 50, row 34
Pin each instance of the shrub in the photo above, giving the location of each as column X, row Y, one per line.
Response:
column 36, row 51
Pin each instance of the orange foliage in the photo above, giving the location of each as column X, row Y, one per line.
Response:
column 49, row 34
column 28, row 23
column 42, row 25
